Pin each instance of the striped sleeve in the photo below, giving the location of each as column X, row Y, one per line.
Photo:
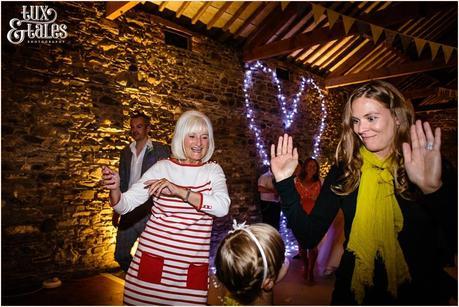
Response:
column 137, row 193
column 217, row 203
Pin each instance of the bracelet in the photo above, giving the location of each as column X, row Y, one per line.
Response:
column 188, row 191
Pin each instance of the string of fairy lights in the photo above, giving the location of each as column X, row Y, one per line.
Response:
column 291, row 245
column 288, row 116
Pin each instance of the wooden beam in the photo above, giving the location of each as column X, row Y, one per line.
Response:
column 272, row 23
column 388, row 72
column 169, row 24
column 200, row 12
column 249, row 19
column 300, row 41
column 219, row 14
column 162, row 6
column 238, row 13
column 420, row 93
column 182, row 8
column 402, row 11
column 114, row 9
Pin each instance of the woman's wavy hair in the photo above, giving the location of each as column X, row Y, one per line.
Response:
column 347, row 152
column 240, row 266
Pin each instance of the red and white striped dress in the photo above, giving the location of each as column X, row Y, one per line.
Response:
column 171, row 264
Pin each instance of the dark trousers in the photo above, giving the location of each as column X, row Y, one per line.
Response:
column 270, row 212
column 125, row 240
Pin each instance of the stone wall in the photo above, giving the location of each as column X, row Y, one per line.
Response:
column 65, row 113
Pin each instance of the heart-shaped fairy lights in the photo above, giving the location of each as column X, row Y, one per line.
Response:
column 288, row 116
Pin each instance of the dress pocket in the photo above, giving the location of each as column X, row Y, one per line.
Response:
column 198, row 276
column 150, row 268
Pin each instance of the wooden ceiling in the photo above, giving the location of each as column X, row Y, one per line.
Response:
column 411, row 44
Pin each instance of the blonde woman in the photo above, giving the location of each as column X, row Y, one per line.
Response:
column 171, row 264
column 396, row 199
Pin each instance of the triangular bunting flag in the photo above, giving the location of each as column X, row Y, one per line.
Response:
column 390, row 36
column 447, row 51
column 405, row 42
column 332, row 17
column 375, row 32
column 434, row 49
column 348, row 22
column 284, row 4
column 317, row 11
column 420, row 43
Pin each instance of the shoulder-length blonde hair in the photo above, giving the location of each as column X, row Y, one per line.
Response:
column 239, row 263
column 347, row 152
column 191, row 122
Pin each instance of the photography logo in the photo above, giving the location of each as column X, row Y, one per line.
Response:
column 36, row 26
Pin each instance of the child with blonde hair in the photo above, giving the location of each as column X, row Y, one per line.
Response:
column 249, row 261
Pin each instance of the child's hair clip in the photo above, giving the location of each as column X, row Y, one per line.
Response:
column 237, row 226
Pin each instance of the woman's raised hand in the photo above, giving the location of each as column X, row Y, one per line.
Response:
column 285, row 159
column 423, row 158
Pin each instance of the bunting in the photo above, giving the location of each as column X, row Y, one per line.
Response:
column 348, row 22
column 447, row 50
column 406, row 40
column 332, row 17
column 420, row 43
column 434, row 48
column 284, row 5
column 376, row 31
column 390, row 36
column 317, row 11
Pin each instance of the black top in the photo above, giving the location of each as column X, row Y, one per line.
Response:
column 152, row 155
column 427, row 228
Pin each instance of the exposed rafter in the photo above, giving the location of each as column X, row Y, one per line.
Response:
column 219, row 14
column 162, row 6
column 274, row 21
column 303, row 40
column 241, row 29
column 115, row 9
column 182, row 8
column 289, row 31
column 388, row 72
column 200, row 12
column 236, row 15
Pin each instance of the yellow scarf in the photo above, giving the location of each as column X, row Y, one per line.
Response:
column 377, row 222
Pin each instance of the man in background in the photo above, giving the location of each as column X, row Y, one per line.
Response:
column 135, row 159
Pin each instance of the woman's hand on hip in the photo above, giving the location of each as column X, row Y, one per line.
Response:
column 285, row 159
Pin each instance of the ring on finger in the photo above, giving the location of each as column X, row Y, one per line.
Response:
column 429, row 146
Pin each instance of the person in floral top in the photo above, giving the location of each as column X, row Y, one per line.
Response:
column 308, row 186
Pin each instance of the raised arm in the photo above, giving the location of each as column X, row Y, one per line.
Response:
column 308, row 229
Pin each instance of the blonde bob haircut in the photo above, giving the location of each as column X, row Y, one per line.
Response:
column 191, row 122
column 239, row 263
